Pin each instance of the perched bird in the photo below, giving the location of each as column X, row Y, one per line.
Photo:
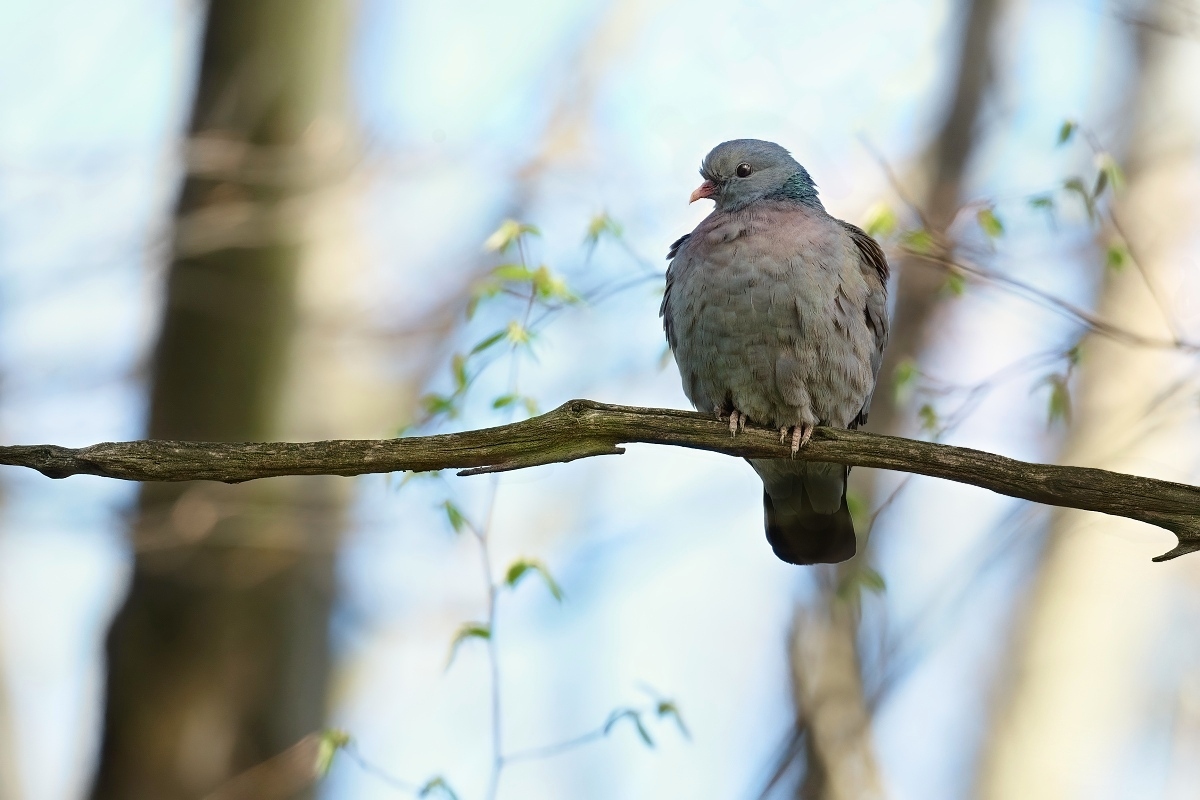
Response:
column 776, row 313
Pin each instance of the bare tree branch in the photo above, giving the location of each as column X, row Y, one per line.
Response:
column 584, row 428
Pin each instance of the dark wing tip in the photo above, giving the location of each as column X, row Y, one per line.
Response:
column 869, row 248
column 674, row 251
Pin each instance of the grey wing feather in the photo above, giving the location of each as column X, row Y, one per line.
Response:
column 875, row 271
column 664, row 310
column 678, row 243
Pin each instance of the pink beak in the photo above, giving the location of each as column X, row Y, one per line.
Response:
column 704, row 190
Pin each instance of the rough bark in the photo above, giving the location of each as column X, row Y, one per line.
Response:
column 218, row 658
column 1079, row 677
column 583, row 428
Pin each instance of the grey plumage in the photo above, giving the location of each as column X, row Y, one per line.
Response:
column 776, row 312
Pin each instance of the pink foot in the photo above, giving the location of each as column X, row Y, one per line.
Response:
column 737, row 421
column 800, row 434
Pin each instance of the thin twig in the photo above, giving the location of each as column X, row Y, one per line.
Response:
column 945, row 260
column 550, row 750
column 1091, row 321
column 894, row 181
column 1151, row 285
column 391, row 780
column 493, row 656
column 1164, row 308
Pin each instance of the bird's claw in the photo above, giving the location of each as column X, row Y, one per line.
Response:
column 800, row 435
column 737, row 421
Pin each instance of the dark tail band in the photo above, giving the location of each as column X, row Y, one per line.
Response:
column 808, row 537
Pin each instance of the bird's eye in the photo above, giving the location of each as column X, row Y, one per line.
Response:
column 743, row 170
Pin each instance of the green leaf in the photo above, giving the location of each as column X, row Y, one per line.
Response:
column 871, row 580
column 858, row 508
column 517, row 333
column 484, row 290
column 458, row 368
column 332, row 740
column 507, row 234
column 504, row 236
column 667, row 708
column 904, row 380
column 635, row 717
column 488, row 342
column 472, row 307
column 989, row 222
column 544, row 281
column 439, row 785
column 531, row 406
column 504, row 400
column 1042, row 202
column 522, row 567
column 1045, row 203
column 1116, row 256
column 1067, row 130
column 602, row 225
column 880, row 220
column 919, row 241
column 955, row 285
column 641, row 729
column 1075, row 186
column 929, row 418
column 454, row 514
column 513, row 273
column 516, row 571
column 1059, row 407
column 856, row 580
column 436, row 405
column 469, row 630
column 552, row 287
column 1109, row 174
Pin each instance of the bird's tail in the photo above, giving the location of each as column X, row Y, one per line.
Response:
column 804, row 504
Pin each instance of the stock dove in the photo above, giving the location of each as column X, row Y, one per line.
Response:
column 776, row 313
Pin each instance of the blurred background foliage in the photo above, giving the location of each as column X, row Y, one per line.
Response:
column 302, row 219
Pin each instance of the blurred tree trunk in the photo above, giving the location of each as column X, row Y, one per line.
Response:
column 10, row 776
column 10, row 773
column 1080, row 687
column 918, row 289
column 219, row 657
column 831, row 708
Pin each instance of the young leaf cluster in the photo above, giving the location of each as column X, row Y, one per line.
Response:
column 531, row 287
column 525, row 288
column 662, row 709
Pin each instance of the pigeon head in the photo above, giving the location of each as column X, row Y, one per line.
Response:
column 739, row 172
